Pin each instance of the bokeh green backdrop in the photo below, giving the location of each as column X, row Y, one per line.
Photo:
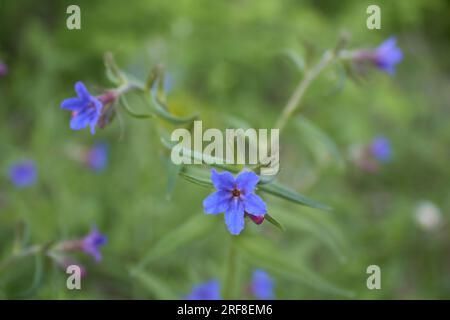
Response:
column 226, row 61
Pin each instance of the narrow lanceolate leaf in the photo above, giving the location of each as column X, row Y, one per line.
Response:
column 191, row 176
column 273, row 221
column 263, row 253
column 37, row 277
column 173, row 172
column 112, row 70
column 191, row 155
column 201, row 178
column 162, row 112
column 192, row 228
column 281, row 191
column 127, row 108
column 154, row 285
column 311, row 130
column 152, row 77
column 295, row 58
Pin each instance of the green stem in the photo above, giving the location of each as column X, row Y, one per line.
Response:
column 231, row 272
column 295, row 99
column 24, row 253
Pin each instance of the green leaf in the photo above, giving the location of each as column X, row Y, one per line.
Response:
column 37, row 277
column 261, row 252
column 154, row 285
column 162, row 111
column 131, row 112
column 152, row 77
column 192, row 154
column 173, row 172
column 113, row 72
column 192, row 228
column 191, row 176
column 281, row 191
column 295, row 58
column 273, row 221
column 306, row 127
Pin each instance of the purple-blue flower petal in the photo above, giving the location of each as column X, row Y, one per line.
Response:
column 234, row 217
column 254, row 205
column 97, row 157
column 262, row 285
column 92, row 242
column 381, row 149
column 246, row 181
column 222, row 181
column 82, row 91
column 23, row 174
column 206, row 291
column 217, row 202
column 388, row 55
column 72, row 104
column 81, row 119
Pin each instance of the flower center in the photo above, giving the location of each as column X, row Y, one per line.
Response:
column 236, row 193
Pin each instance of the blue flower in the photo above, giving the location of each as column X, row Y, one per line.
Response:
column 381, row 149
column 91, row 244
column 206, row 291
column 86, row 109
column 387, row 55
column 235, row 197
column 23, row 174
column 97, row 157
column 262, row 285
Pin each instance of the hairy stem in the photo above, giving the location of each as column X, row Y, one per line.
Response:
column 295, row 99
column 24, row 253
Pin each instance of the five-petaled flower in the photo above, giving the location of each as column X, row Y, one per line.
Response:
column 86, row 109
column 206, row 291
column 235, row 197
column 91, row 243
column 262, row 285
column 387, row 55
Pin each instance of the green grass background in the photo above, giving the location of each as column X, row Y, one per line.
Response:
column 226, row 60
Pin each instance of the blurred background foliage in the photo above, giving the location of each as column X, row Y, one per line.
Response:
column 227, row 60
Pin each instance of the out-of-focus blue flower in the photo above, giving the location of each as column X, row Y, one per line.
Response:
column 262, row 285
column 86, row 109
column 23, row 174
column 387, row 55
column 92, row 242
column 97, row 157
column 3, row 69
column 206, row 291
column 235, row 197
column 381, row 149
